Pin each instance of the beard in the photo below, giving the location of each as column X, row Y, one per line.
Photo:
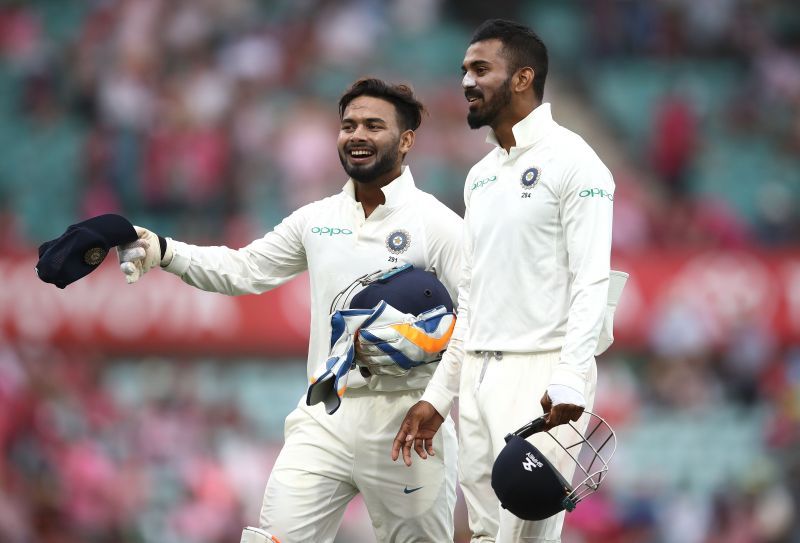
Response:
column 491, row 109
column 385, row 161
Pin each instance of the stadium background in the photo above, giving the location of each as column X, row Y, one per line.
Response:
column 153, row 413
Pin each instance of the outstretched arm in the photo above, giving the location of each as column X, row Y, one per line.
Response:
column 260, row 266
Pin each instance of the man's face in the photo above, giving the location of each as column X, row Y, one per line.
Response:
column 369, row 139
column 486, row 82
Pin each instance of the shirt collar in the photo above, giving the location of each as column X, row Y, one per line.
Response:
column 531, row 129
column 396, row 192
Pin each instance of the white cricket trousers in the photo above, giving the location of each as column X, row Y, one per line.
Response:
column 499, row 393
column 327, row 459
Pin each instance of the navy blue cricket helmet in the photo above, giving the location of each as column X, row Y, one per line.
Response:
column 406, row 288
column 532, row 488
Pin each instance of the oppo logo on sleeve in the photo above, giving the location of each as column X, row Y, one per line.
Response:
column 599, row 193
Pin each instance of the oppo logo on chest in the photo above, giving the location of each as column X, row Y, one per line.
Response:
column 330, row 231
column 483, row 182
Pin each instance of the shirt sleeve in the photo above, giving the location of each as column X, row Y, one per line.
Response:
column 442, row 389
column 260, row 266
column 444, row 232
column 586, row 207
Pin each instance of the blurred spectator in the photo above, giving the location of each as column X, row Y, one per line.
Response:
column 675, row 143
column 11, row 238
column 21, row 34
column 777, row 224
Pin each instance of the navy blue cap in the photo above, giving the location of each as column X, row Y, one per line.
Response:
column 81, row 248
column 526, row 483
column 408, row 290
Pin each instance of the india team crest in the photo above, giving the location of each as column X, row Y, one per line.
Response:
column 398, row 241
column 94, row 256
column 530, row 177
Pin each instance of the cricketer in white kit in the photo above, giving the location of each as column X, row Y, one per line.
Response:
column 534, row 291
column 379, row 220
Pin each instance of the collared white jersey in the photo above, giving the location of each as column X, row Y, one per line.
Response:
column 333, row 241
column 537, row 252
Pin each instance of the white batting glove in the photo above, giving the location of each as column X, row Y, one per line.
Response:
column 144, row 254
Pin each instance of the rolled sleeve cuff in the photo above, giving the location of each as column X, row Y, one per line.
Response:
column 439, row 397
column 560, row 394
column 568, row 378
column 181, row 258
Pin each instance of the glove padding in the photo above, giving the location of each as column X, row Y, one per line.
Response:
column 398, row 342
column 394, row 343
column 139, row 257
column 329, row 382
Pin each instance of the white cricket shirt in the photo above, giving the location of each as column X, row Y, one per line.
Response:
column 333, row 241
column 537, row 253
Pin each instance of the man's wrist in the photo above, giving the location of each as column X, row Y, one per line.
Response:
column 438, row 398
column 562, row 394
column 167, row 251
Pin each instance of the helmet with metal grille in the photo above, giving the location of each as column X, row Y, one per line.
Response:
column 529, row 485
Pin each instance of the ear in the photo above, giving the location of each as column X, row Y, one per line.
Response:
column 523, row 79
column 407, row 141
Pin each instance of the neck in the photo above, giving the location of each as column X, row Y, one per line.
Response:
column 503, row 128
column 505, row 135
column 369, row 193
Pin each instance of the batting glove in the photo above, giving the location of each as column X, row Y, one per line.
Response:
column 144, row 254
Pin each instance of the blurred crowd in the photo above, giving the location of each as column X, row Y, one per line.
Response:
column 79, row 466
column 176, row 451
column 210, row 121
column 214, row 120
column 205, row 119
column 714, row 142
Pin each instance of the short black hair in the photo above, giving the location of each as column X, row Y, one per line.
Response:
column 521, row 47
column 409, row 109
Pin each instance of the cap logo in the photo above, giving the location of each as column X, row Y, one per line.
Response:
column 398, row 241
column 94, row 256
column 530, row 177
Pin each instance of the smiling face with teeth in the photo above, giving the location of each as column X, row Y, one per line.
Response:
column 371, row 144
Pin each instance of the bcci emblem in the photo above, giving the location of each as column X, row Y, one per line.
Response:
column 530, row 177
column 398, row 241
column 94, row 256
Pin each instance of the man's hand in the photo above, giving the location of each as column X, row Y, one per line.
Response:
column 560, row 413
column 418, row 428
column 139, row 257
